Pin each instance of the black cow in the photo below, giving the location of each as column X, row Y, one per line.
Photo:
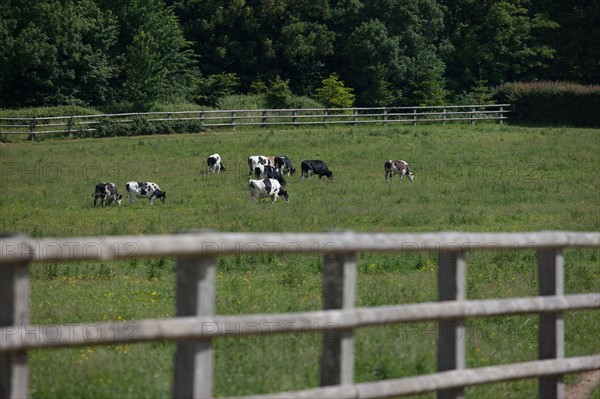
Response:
column 269, row 172
column 284, row 164
column 316, row 167
column 108, row 193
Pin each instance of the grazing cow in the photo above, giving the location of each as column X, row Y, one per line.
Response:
column 256, row 160
column 108, row 193
column 392, row 167
column 266, row 188
column 214, row 164
column 284, row 164
column 315, row 167
column 269, row 172
column 144, row 189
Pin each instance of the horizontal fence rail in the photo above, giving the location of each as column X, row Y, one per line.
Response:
column 79, row 124
column 196, row 325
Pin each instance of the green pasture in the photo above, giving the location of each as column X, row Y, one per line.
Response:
column 478, row 178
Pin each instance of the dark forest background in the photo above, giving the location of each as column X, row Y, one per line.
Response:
column 137, row 53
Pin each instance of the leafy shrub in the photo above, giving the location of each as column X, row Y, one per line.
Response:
column 553, row 103
column 208, row 91
column 334, row 94
column 141, row 126
column 243, row 101
column 278, row 94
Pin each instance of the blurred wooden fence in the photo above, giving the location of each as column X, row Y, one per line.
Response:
column 196, row 325
column 73, row 125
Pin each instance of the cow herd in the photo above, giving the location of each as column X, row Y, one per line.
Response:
column 267, row 179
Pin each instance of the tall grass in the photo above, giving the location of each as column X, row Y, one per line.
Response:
column 481, row 178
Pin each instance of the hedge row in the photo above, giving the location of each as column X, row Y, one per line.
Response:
column 553, row 103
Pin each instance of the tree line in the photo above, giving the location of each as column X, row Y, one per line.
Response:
column 378, row 52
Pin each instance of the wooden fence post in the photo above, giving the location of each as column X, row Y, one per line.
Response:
column 14, row 311
column 339, row 282
column 195, row 295
column 501, row 114
column 32, row 126
column 233, row 117
column 70, row 127
column 414, row 117
column 295, row 118
column 451, row 333
column 264, row 119
column 551, row 329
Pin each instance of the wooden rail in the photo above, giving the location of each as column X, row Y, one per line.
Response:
column 196, row 325
column 73, row 125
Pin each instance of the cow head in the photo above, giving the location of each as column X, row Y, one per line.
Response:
column 118, row 199
column 162, row 195
column 283, row 194
column 329, row 174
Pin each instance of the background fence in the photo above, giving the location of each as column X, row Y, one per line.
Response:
column 195, row 325
column 73, row 125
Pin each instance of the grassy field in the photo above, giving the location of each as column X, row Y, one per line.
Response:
column 468, row 178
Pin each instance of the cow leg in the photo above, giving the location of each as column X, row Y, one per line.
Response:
column 151, row 199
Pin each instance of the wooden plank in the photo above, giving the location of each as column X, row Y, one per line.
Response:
column 195, row 296
column 551, row 329
column 194, row 244
column 14, row 311
column 444, row 380
column 206, row 327
column 451, row 333
column 339, row 282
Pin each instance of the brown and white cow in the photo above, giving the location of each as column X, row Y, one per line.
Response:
column 400, row 167
column 108, row 193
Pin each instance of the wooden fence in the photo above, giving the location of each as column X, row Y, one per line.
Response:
column 73, row 125
column 196, row 325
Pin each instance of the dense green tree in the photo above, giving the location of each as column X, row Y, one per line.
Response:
column 55, row 52
column 260, row 39
column 391, row 52
column 494, row 41
column 158, row 63
column 575, row 41
column 379, row 46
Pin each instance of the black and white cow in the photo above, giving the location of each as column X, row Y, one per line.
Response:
column 108, row 193
column 284, row 164
column 316, row 167
column 257, row 160
column 144, row 189
column 266, row 188
column 269, row 172
column 214, row 164
column 400, row 167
